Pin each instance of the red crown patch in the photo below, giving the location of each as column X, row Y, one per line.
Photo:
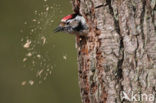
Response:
column 67, row 18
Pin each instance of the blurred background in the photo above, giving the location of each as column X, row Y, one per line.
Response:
column 36, row 65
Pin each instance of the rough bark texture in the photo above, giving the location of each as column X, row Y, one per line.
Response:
column 119, row 53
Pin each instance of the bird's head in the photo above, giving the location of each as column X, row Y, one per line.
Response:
column 73, row 24
column 65, row 23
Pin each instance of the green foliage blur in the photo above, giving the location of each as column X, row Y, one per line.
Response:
column 62, row 85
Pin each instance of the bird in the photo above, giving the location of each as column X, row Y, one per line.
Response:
column 73, row 24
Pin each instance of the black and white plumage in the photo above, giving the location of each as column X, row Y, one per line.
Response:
column 73, row 24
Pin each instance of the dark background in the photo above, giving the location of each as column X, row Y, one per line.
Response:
column 62, row 85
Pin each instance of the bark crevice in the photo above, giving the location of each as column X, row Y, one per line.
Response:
column 142, row 21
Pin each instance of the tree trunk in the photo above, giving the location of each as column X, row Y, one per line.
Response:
column 117, row 59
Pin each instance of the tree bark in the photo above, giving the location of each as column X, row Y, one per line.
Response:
column 119, row 53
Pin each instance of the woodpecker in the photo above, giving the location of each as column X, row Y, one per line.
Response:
column 73, row 24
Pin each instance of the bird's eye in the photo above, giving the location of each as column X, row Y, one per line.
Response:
column 67, row 23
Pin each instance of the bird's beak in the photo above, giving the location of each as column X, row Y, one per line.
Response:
column 58, row 29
